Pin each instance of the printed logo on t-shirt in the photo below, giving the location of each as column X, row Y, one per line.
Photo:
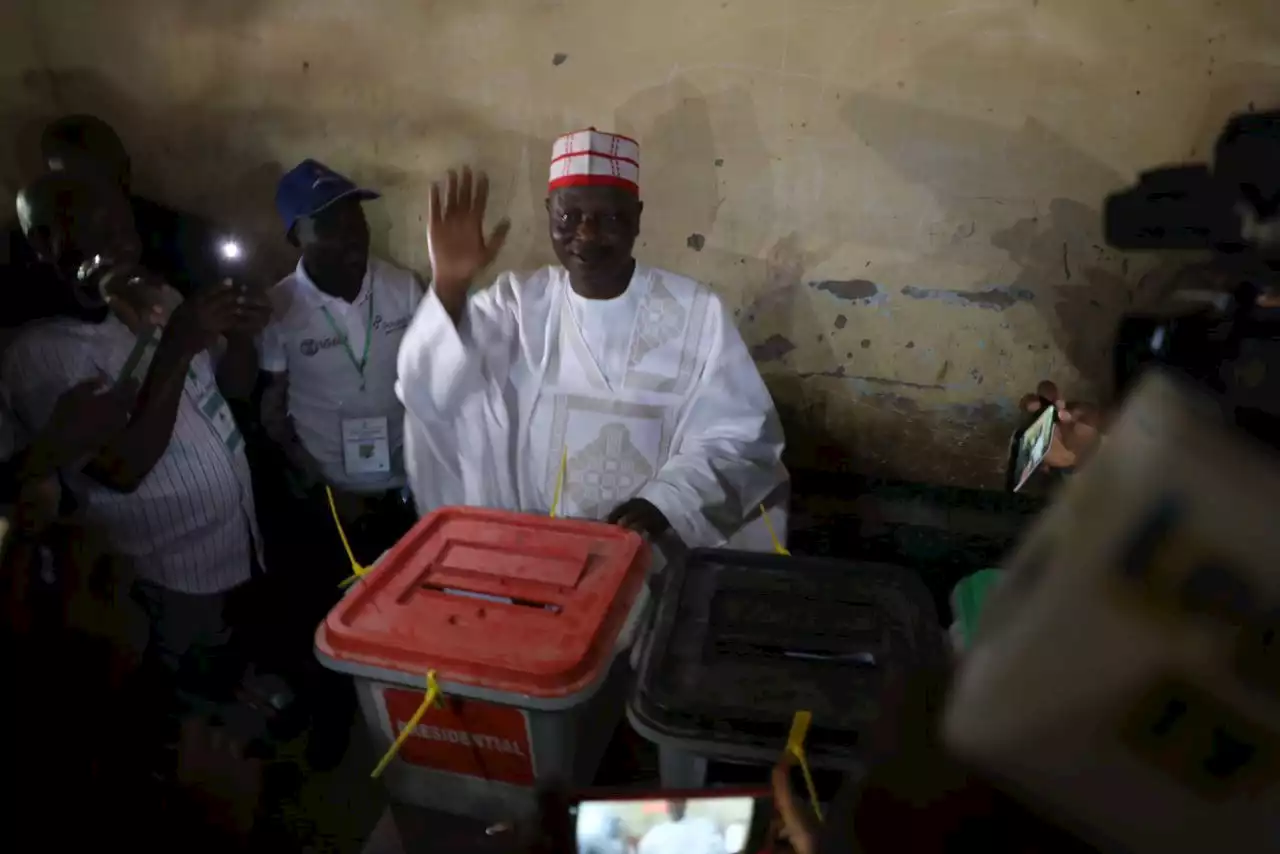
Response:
column 311, row 346
column 392, row 326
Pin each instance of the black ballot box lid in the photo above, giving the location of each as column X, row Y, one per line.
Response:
column 741, row 641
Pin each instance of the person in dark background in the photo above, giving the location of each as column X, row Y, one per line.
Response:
column 330, row 357
column 70, row 645
column 330, row 407
column 178, row 247
column 171, row 492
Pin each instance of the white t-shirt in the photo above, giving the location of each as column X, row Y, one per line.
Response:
column 325, row 386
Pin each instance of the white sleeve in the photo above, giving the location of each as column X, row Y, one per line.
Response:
column 728, row 454
column 442, row 366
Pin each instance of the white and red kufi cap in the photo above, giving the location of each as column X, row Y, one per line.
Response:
column 590, row 157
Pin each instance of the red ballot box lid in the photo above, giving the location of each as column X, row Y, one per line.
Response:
column 503, row 601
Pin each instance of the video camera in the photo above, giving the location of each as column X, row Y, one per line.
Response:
column 1223, row 333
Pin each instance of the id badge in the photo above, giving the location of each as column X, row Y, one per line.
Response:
column 366, row 446
column 214, row 407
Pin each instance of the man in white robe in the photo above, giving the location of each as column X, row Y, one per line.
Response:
column 600, row 388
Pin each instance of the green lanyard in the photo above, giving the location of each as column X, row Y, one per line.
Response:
column 342, row 336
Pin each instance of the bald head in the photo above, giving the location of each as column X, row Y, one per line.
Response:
column 87, row 145
column 69, row 218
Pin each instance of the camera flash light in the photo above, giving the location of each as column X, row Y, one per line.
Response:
column 230, row 249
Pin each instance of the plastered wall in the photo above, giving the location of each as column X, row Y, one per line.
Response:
column 899, row 198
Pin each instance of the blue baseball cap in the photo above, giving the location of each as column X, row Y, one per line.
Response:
column 309, row 188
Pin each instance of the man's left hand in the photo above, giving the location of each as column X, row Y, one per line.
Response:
column 84, row 418
column 640, row 516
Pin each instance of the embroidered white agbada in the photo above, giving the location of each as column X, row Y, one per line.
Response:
column 652, row 394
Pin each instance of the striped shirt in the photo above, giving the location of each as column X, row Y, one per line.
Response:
column 190, row 525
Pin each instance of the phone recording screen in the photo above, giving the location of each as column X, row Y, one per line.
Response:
column 695, row 825
column 1032, row 447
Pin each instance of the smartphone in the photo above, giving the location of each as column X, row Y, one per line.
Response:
column 230, row 251
column 1030, row 446
column 735, row 821
column 231, row 257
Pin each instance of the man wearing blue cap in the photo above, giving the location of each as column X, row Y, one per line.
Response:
column 330, row 352
column 331, row 355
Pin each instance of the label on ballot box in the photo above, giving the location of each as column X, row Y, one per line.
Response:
column 462, row 736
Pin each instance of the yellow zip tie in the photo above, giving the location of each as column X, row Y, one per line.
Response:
column 564, row 463
column 795, row 746
column 432, row 697
column 778, row 547
column 357, row 571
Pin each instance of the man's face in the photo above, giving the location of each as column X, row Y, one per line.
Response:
column 336, row 239
column 676, row 809
column 593, row 230
column 87, row 224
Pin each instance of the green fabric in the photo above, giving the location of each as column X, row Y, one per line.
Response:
column 968, row 599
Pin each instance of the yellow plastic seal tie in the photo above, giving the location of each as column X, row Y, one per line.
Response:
column 564, row 463
column 795, row 746
column 357, row 571
column 432, row 697
column 778, row 547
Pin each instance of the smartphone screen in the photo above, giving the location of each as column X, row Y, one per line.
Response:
column 672, row 823
column 1030, row 446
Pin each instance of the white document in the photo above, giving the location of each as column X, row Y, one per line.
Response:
column 366, row 446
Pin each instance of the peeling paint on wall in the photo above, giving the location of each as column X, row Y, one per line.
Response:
column 855, row 290
column 772, row 349
column 996, row 299
column 933, row 190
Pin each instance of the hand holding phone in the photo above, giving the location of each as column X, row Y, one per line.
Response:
column 1030, row 446
column 253, row 307
column 1077, row 428
column 798, row 823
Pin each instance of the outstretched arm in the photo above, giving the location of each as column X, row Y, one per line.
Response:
column 457, row 346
